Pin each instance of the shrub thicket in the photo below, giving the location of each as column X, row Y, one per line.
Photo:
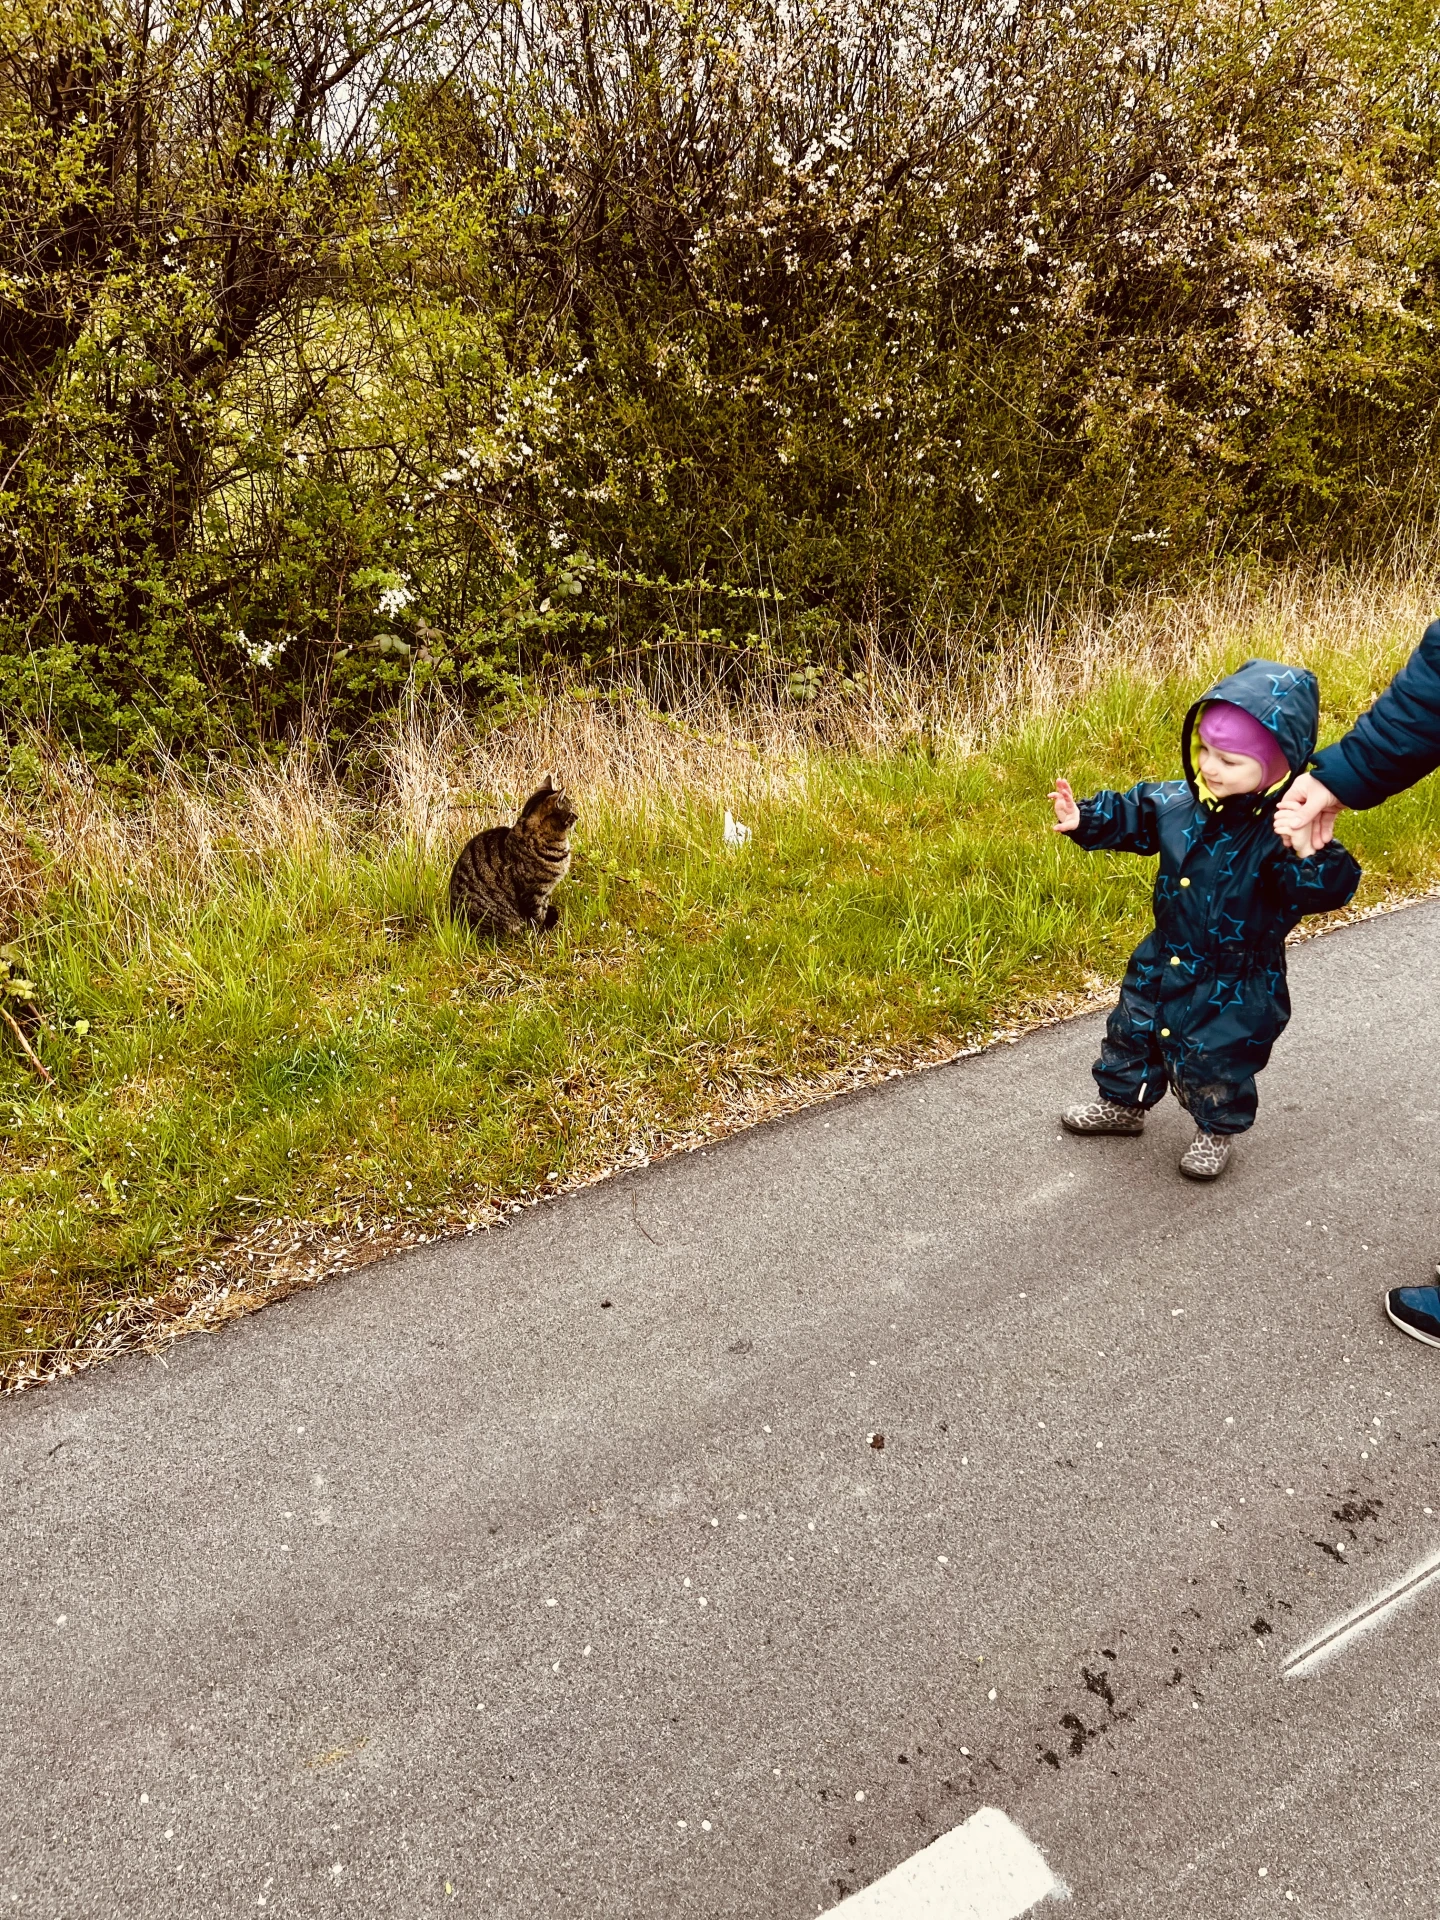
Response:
column 347, row 347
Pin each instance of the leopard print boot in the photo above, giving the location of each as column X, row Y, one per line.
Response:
column 1103, row 1116
column 1206, row 1157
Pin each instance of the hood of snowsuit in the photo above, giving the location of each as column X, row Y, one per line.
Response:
column 1286, row 702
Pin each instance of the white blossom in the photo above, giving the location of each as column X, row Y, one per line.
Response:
column 261, row 653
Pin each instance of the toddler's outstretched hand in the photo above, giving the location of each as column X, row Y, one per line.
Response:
column 1067, row 814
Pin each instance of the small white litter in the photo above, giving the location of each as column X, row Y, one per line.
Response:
column 736, row 832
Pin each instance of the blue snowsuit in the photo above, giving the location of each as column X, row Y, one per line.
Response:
column 1205, row 997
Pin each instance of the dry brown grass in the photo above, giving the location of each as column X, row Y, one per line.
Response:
column 434, row 774
column 955, row 695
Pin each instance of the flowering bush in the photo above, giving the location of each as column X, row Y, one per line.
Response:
column 922, row 308
column 422, row 342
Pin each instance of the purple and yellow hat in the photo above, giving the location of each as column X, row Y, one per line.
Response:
column 1230, row 729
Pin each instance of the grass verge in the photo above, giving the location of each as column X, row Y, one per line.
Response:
column 274, row 1056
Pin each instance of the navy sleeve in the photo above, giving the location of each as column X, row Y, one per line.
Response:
column 1322, row 883
column 1397, row 742
column 1119, row 822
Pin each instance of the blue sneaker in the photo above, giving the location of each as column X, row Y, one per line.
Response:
column 1416, row 1311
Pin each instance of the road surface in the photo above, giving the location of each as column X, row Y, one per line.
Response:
column 560, row 1571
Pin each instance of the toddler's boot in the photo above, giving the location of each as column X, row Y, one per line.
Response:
column 1206, row 1157
column 1103, row 1116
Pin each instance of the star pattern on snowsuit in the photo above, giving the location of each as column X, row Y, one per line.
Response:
column 1207, row 1024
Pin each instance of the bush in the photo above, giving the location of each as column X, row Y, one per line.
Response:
column 344, row 362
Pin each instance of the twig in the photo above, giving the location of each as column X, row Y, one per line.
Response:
column 641, row 1224
column 26, row 1048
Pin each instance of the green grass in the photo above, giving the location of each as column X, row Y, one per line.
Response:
column 304, row 1036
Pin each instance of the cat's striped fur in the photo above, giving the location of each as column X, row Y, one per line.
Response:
column 504, row 877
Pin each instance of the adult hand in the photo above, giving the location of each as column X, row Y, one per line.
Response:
column 1307, row 807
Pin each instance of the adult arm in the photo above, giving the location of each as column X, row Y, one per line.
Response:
column 1393, row 745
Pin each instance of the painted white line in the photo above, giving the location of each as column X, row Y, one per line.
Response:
column 1370, row 1614
column 984, row 1869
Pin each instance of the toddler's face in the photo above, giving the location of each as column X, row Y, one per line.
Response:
column 1226, row 774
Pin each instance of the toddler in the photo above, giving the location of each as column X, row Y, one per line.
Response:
column 1204, row 997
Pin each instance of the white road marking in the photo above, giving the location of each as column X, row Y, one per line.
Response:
column 984, row 1869
column 1371, row 1613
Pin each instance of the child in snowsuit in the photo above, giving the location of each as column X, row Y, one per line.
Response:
column 1204, row 997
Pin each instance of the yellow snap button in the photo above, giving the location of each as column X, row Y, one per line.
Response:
column 1184, row 883
column 1174, row 959
column 1164, row 1033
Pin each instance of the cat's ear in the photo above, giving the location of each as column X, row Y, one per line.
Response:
column 537, row 799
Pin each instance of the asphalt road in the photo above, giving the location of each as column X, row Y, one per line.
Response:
column 553, row 1572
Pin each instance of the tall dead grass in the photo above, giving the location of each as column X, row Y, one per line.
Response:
column 432, row 775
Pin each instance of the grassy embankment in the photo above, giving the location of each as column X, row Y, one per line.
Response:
column 273, row 1055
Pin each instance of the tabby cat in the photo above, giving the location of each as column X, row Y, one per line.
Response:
column 504, row 877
